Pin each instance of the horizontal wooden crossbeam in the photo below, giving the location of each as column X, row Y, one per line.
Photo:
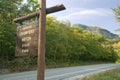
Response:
column 33, row 15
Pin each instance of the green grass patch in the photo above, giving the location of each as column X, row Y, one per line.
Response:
column 72, row 64
column 30, row 64
column 113, row 74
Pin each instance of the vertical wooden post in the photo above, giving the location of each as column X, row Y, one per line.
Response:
column 41, row 41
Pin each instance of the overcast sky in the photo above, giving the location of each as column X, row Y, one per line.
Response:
column 88, row 12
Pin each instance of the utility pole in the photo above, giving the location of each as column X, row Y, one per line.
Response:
column 41, row 41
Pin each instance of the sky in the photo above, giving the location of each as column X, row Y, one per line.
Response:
column 97, row 13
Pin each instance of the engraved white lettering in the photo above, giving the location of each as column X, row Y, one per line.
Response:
column 26, row 39
column 26, row 45
column 25, row 50
column 27, row 32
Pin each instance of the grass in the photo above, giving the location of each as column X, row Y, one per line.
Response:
column 68, row 64
column 16, row 66
column 113, row 74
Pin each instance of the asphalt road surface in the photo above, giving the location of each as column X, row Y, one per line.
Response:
column 60, row 73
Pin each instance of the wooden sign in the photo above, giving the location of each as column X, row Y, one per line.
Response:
column 31, row 39
column 27, row 40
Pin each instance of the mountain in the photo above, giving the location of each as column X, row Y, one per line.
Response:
column 97, row 30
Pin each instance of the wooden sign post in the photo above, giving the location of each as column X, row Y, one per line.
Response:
column 27, row 35
column 41, row 41
column 24, row 47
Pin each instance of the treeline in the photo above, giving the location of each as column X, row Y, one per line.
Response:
column 66, row 43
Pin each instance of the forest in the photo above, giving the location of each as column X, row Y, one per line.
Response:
column 65, row 44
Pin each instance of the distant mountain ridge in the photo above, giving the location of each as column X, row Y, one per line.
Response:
column 97, row 30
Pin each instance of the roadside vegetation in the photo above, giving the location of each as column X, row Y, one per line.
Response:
column 66, row 45
column 107, row 75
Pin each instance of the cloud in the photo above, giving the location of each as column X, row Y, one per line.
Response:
column 98, row 12
column 86, row 16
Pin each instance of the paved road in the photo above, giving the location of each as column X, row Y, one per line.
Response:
column 60, row 73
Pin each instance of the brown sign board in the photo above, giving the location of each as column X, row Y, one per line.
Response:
column 27, row 40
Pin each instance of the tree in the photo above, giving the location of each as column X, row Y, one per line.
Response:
column 117, row 13
column 9, row 10
column 28, row 7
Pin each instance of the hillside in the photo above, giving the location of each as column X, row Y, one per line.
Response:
column 97, row 30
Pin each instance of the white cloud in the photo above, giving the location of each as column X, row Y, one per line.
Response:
column 86, row 13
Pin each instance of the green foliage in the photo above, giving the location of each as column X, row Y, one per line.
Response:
column 23, row 64
column 108, row 75
column 28, row 7
column 71, row 44
column 117, row 13
column 8, row 9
